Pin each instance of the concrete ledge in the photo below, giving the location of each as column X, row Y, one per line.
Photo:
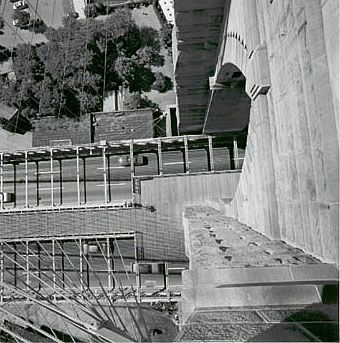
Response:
column 262, row 276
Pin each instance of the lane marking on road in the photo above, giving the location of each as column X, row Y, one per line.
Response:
column 102, row 168
column 173, row 163
column 47, row 172
column 114, row 184
column 49, row 189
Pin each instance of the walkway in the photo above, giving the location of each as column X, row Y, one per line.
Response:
column 243, row 286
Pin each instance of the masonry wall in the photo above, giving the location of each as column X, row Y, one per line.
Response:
column 289, row 186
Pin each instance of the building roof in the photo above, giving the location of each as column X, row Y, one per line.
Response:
column 7, row 112
column 132, row 124
column 6, row 67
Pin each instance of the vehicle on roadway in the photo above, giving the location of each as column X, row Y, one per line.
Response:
column 20, row 5
column 139, row 160
column 8, row 197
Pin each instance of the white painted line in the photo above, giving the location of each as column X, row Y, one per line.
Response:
column 114, row 184
column 101, row 168
column 48, row 189
column 173, row 163
column 48, row 172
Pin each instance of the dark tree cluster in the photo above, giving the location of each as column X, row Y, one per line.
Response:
column 70, row 73
column 4, row 53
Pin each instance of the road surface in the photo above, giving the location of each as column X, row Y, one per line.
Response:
column 60, row 186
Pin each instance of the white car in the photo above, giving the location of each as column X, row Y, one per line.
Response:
column 20, row 5
column 139, row 160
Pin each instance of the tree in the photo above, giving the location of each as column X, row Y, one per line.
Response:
column 82, row 60
column 150, row 57
column 90, row 11
column 162, row 83
column 4, row 53
column 22, row 18
column 37, row 26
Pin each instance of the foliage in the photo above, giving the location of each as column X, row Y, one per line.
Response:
column 4, row 53
column 65, row 75
column 37, row 26
column 22, row 17
column 136, row 100
column 162, row 83
column 90, row 11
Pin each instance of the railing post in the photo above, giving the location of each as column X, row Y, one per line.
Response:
column 81, row 264
column 186, row 155
column 132, row 170
column 237, row 162
column 62, row 264
column 78, row 175
column 211, row 154
column 84, row 177
column 27, row 267
column 108, row 261
column 60, row 181
column 159, row 157
column 39, row 266
column 52, row 178
column 108, row 178
column 26, row 179
column 54, row 268
column 104, row 174
column 37, row 181
column 15, row 184
column 2, row 272
column 1, row 181
column 138, row 279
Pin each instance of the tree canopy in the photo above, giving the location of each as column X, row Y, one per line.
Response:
column 70, row 73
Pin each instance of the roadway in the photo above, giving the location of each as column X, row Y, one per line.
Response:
column 92, row 185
